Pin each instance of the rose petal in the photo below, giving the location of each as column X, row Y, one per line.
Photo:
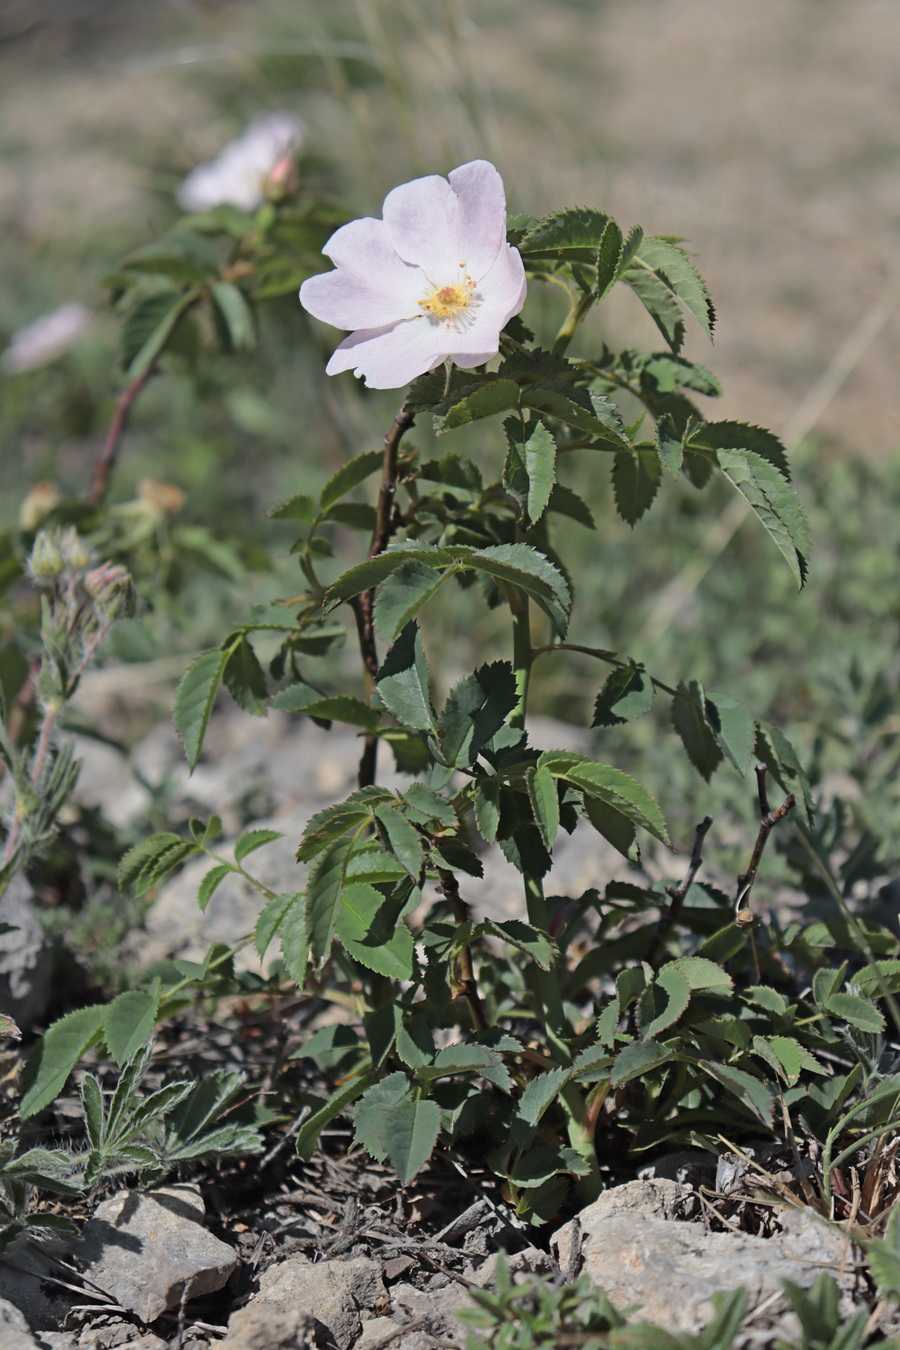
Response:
column 370, row 287
column 391, row 357
column 482, row 214
column 421, row 220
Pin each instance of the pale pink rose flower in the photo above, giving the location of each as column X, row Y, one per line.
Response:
column 433, row 280
column 40, row 342
column 237, row 175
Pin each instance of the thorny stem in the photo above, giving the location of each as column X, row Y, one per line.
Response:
column 768, row 820
column 449, row 888
column 104, row 466
column 364, row 605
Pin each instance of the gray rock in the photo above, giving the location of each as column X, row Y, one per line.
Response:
column 333, row 1292
column 384, row 1332
column 14, row 1330
column 25, row 1284
column 26, row 958
column 146, row 1249
column 260, row 1326
column 669, row 1270
column 434, row 1310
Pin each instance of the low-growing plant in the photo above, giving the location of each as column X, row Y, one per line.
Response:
column 651, row 1013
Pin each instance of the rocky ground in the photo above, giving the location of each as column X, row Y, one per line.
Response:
column 273, row 1254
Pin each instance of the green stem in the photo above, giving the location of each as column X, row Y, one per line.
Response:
column 565, row 335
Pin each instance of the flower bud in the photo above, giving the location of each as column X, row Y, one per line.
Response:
column 37, row 505
column 282, row 180
column 74, row 550
column 111, row 589
column 163, row 498
column 46, row 561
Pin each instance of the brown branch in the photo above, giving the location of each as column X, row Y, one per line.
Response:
column 677, row 893
column 467, row 986
column 104, row 466
column 364, row 605
column 767, row 822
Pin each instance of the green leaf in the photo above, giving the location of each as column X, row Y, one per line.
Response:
column 371, row 931
column 403, row 682
column 308, row 1134
column 55, row 1056
column 859, row 1012
column 783, row 762
column 525, row 938
column 659, row 303
column 775, row 503
column 486, row 400
column 150, row 860
column 371, row 573
column 671, row 265
column 616, row 828
column 732, row 725
column 467, row 1058
column 294, row 925
column 401, row 839
column 637, row 1059
column 532, row 572
column 702, row 974
column 583, row 409
column 323, row 898
column 270, row 920
column 544, row 800
column 372, row 1113
column 487, row 808
column 663, row 1002
column 689, row 720
column 129, row 1022
column 336, row 820
column 537, row 1098
column 149, row 326
column 626, row 694
column 251, row 840
column 617, row 789
column 476, row 709
column 235, row 320
column 756, row 1098
column 636, row 477
column 574, row 235
column 610, row 252
column 349, row 476
column 300, row 507
column 92, row 1107
column 669, row 444
column 541, row 1164
column 180, row 254
column 194, row 701
column 245, row 679
column 530, row 469
column 403, row 594
column 565, row 502
column 344, row 708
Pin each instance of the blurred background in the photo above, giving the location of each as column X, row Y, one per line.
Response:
column 766, row 135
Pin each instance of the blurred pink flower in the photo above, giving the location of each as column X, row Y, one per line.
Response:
column 42, row 341
column 433, row 280
column 237, row 175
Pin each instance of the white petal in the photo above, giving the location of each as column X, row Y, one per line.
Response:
column 390, row 357
column 482, row 214
column 370, row 287
column 501, row 295
column 421, row 220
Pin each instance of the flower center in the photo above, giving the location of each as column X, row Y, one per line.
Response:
column 451, row 305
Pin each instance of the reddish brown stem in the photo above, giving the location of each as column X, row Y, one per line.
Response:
column 449, row 888
column 104, row 466
column 767, row 822
column 364, row 605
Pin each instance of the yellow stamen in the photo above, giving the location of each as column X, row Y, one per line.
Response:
column 447, row 304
